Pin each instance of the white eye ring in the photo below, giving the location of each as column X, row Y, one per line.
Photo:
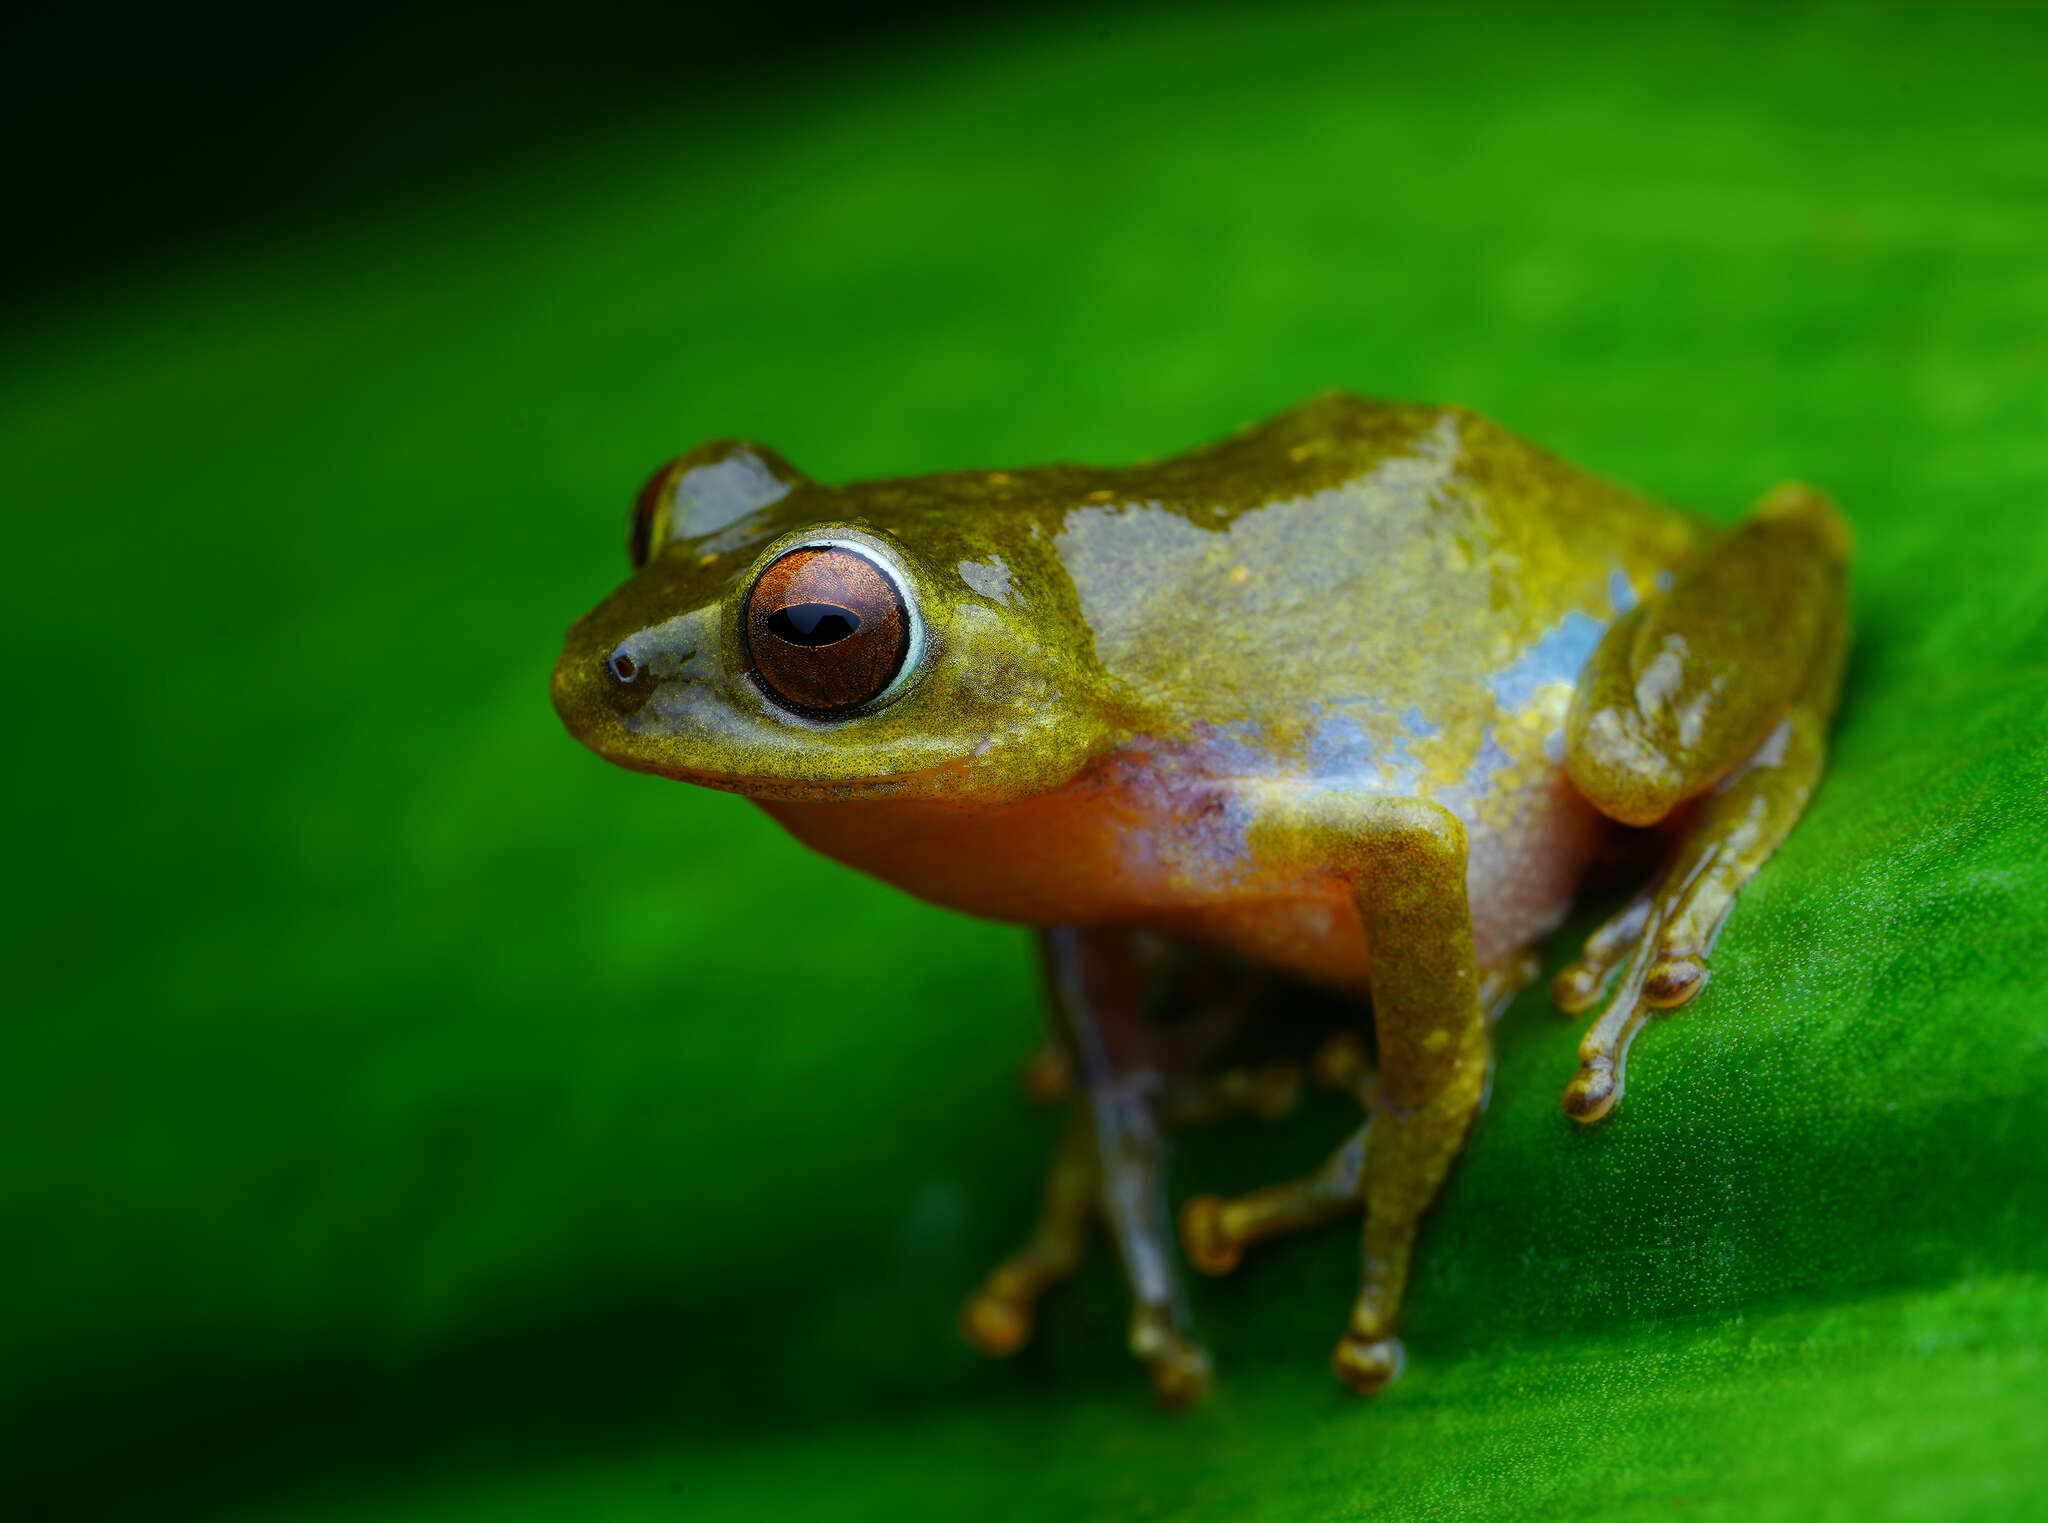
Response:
column 884, row 561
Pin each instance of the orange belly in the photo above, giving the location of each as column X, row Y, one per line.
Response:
column 1100, row 851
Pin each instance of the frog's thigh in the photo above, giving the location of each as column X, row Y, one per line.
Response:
column 1721, row 687
column 1685, row 687
column 1406, row 862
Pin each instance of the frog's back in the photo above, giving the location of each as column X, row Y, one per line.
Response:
column 1359, row 582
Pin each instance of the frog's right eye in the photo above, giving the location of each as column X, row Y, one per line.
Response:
column 648, row 525
column 827, row 629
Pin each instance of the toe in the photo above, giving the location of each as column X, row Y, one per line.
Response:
column 1180, row 1376
column 1592, row 1093
column 994, row 1324
column 1368, row 1365
column 1673, row 981
column 1208, row 1246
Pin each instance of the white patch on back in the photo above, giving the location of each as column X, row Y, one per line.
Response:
column 990, row 578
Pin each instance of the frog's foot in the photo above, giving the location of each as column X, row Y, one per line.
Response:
column 1661, row 938
column 1177, row 1366
column 1716, row 693
column 1579, row 986
column 998, row 1317
column 1267, row 1092
column 1367, row 1363
column 1215, row 1232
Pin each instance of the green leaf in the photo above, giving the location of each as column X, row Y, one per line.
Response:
column 415, row 1118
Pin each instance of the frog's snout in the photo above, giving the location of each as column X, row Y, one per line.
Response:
column 635, row 667
column 627, row 680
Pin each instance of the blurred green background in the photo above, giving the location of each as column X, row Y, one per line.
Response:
column 411, row 1117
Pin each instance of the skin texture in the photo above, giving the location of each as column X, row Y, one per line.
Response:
column 1358, row 695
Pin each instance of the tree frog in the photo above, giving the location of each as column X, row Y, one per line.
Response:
column 1359, row 694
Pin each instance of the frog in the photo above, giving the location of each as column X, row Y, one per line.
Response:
column 1361, row 696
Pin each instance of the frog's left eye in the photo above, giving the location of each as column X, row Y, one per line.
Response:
column 648, row 525
column 711, row 488
column 827, row 629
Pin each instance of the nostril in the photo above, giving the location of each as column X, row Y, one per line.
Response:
column 622, row 665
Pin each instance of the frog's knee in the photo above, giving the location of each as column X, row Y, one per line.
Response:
column 1628, row 772
column 1813, row 509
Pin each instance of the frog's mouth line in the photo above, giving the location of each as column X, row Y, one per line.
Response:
column 621, row 748
column 602, row 724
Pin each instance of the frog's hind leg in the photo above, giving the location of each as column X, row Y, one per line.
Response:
column 1717, row 694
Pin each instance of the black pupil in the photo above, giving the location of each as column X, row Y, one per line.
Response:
column 813, row 623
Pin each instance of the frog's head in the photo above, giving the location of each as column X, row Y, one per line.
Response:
column 786, row 640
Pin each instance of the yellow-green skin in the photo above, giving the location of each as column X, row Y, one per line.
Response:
column 1358, row 693
column 1370, row 598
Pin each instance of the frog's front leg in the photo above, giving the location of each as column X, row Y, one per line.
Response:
column 1718, row 691
column 1111, row 1163
column 1404, row 860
